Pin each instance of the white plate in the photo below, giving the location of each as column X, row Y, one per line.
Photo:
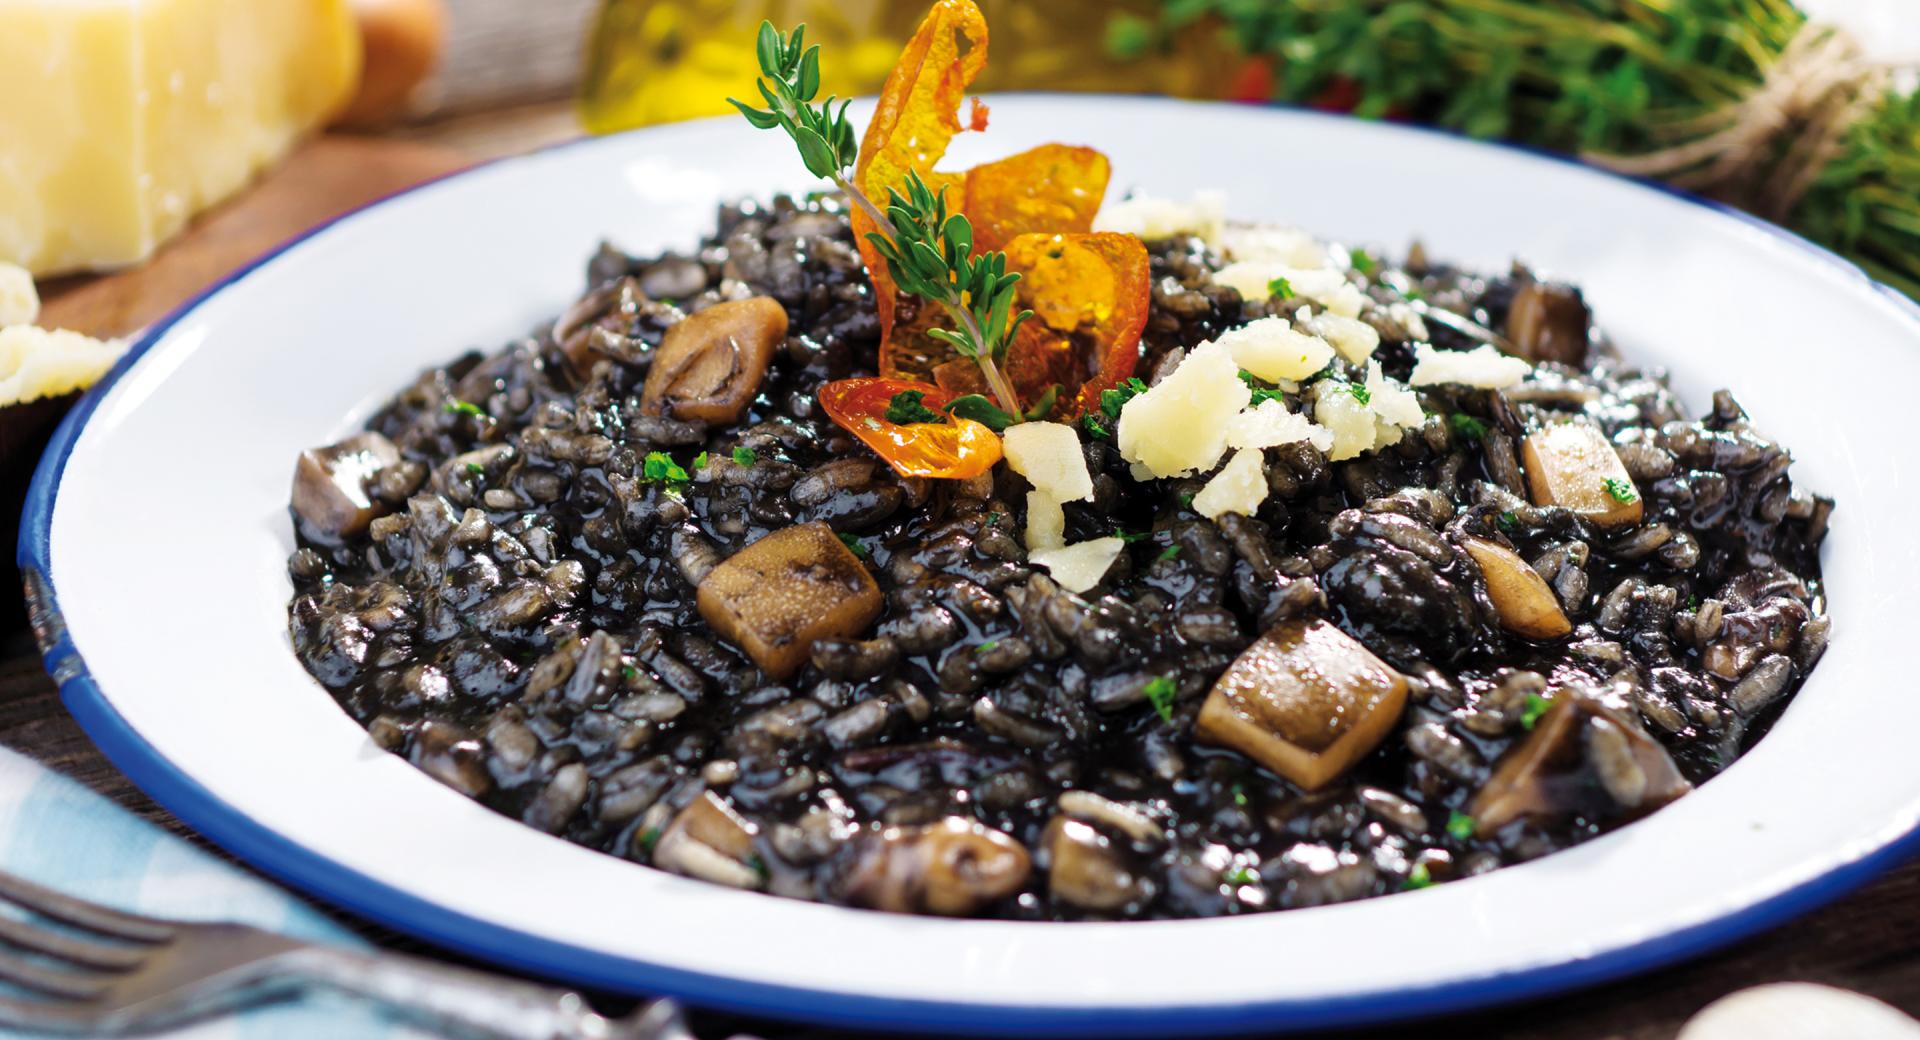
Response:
column 158, row 536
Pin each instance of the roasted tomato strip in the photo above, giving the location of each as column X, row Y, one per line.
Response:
column 1089, row 296
column 955, row 449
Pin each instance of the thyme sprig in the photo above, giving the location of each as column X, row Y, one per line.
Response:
column 928, row 250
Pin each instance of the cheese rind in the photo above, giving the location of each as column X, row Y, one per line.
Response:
column 147, row 112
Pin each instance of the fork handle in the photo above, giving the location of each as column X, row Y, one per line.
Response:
column 472, row 1003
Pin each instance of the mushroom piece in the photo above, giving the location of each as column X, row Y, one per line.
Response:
column 1087, row 870
column 1306, row 700
column 1527, row 606
column 1549, row 322
column 1584, row 756
column 1571, row 465
column 330, row 484
column 953, row 867
column 710, row 365
column 776, row 596
column 709, row 841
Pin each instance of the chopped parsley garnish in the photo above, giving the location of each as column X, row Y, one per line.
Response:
column 1239, row 792
column 1460, row 825
column 1506, row 521
column 745, row 456
column 1111, row 401
column 1360, row 393
column 1363, row 261
column 476, row 469
column 459, row 407
column 1261, row 392
column 1130, row 537
column 629, row 672
column 648, row 839
column 758, row 865
column 1241, row 876
column 994, row 517
column 1186, row 501
column 905, row 408
column 700, row 461
column 1466, row 427
column 1161, row 691
column 1326, row 372
column 1693, row 602
column 1418, row 877
column 1620, row 490
column 986, row 646
column 659, row 468
column 1044, row 406
column 1536, row 707
column 858, row 547
column 1166, row 554
column 1094, row 427
column 1280, row 287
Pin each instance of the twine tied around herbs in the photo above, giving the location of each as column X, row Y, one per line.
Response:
column 1764, row 152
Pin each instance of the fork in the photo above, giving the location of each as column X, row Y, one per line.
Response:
column 111, row 973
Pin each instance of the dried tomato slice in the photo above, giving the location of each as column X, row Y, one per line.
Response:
column 955, row 449
column 1089, row 296
column 1055, row 188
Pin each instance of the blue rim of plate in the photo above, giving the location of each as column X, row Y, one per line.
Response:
column 259, row 845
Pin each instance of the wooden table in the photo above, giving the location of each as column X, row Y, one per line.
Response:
column 1866, row 941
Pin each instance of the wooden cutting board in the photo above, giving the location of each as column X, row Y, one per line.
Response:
column 324, row 178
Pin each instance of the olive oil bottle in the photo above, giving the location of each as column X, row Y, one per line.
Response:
column 655, row 61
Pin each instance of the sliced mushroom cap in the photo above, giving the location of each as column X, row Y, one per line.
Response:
column 1584, row 756
column 1549, row 322
column 776, row 596
column 1571, row 465
column 709, row 841
column 330, row 485
column 1306, row 700
column 1526, row 604
column 1086, row 869
column 710, row 365
column 953, row 867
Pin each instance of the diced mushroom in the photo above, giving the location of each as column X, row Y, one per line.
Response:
column 709, row 841
column 1571, row 465
column 953, row 867
column 1306, row 700
column 330, row 484
column 1526, row 604
column 776, row 596
column 710, row 365
column 1549, row 322
column 1584, row 756
column 1085, row 869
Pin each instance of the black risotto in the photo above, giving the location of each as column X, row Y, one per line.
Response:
column 511, row 604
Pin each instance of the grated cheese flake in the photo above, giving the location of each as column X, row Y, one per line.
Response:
column 1080, row 566
column 1153, row 218
column 1270, row 425
column 1179, row 425
column 1239, row 487
column 1354, row 339
column 1273, row 350
column 1048, row 455
column 1391, row 400
column 1484, row 367
column 36, row 363
column 1046, row 522
column 19, row 304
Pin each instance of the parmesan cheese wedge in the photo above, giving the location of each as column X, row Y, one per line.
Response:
column 19, row 304
column 1080, row 566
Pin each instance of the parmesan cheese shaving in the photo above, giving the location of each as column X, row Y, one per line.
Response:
column 1046, row 522
column 1391, row 401
column 1355, row 340
column 1270, row 425
column 1269, row 244
column 1080, row 566
column 1273, row 350
column 1048, row 455
column 1239, row 487
column 19, row 304
column 1483, row 367
column 1179, row 425
column 36, row 363
column 1356, row 430
column 1154, row 218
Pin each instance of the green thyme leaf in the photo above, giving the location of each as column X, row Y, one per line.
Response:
column 459, row 407
column 1241, row 876
column 700, row 461
column 1281, row 288
column 745, row 456
column 1166, row 554
column 986, row 646
column 1363, row 261
column 1161, row 692
column 1131, row 537
column 1418, row 877
column 659, row 468
column 476, row 470
column 1044, row 406
column 982, row 411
